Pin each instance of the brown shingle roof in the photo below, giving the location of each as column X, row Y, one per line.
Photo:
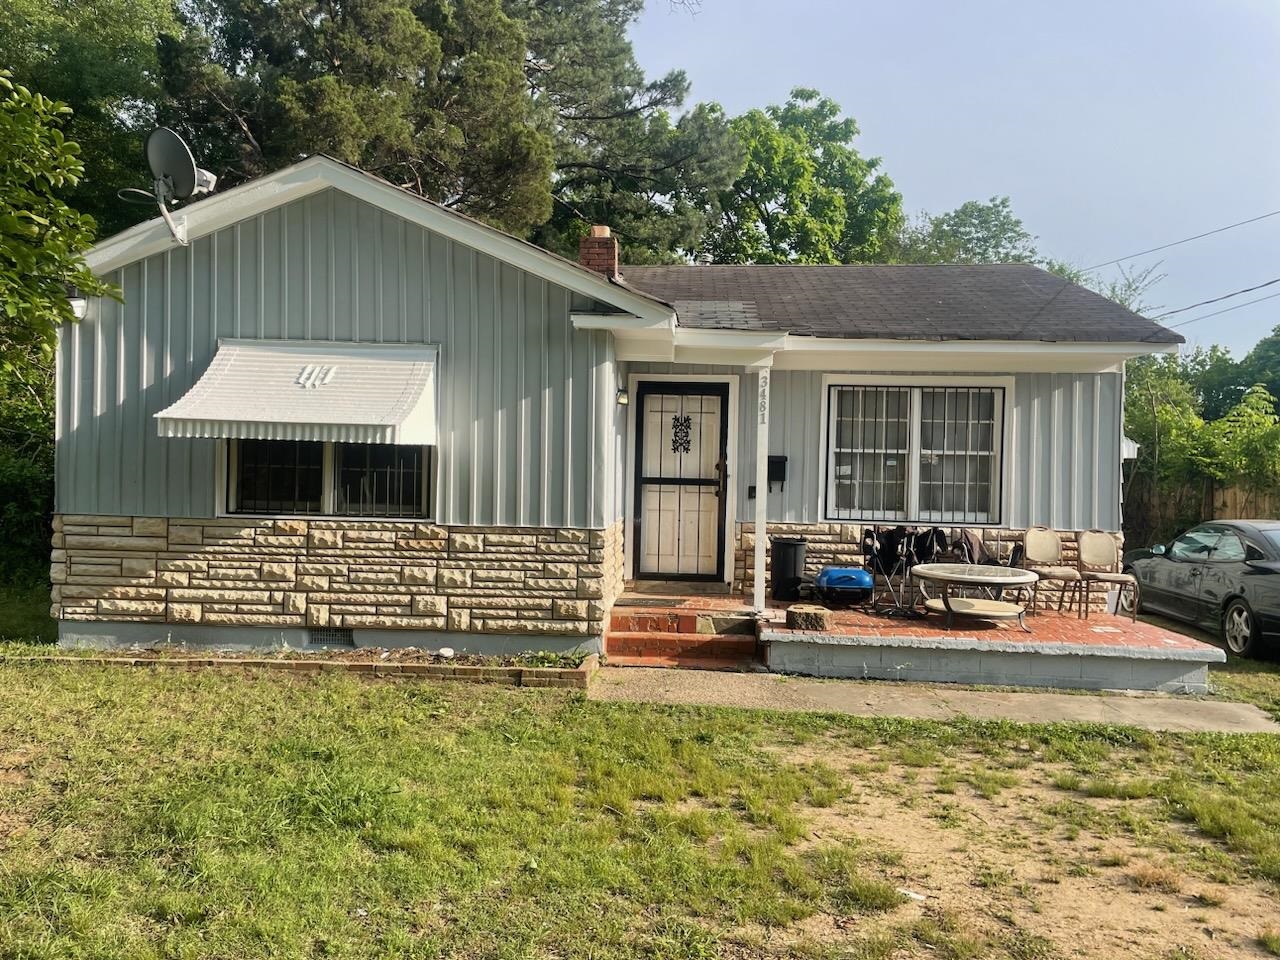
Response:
column 1011, row 301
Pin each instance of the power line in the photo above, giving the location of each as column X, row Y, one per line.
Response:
column 1238, row 306
column 1166, row 246
column 1225, row 296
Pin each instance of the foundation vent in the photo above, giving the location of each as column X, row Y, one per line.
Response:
column 330, row 637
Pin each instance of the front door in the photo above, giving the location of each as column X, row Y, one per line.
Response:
column 681, row 476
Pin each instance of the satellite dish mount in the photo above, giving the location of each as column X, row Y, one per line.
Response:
column 175, row 177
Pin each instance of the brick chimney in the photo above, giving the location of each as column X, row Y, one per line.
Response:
column 598, row 251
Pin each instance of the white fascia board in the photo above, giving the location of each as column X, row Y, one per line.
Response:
column 731, row 339
column 318, row 173
column 815, row 353
column 624, row 325
column 655, row 350
column 208, row 215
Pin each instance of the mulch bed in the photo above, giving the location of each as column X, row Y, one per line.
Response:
column 519, row 671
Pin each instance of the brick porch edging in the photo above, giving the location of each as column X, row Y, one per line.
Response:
column 577, row 678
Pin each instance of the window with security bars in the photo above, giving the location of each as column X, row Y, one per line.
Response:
column 917, row 454
column 289, row 477
column 870, row 432
column 279, row 476
column 378, row 480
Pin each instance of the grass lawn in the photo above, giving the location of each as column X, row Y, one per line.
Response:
column 208, row 814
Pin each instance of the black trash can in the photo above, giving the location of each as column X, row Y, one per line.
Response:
column 786, row 567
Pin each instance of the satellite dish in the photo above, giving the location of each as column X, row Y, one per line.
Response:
column 175, row 177
column 171, row 163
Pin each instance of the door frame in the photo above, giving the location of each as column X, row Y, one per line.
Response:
column 631, row 518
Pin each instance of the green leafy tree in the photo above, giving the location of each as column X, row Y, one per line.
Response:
column 1262, row 363
column 1243, row 446
column 806, row 195
column 41, row 244
column 622, row 155
column 974, row 232
column 99, row 57
column 429, row 94
column 1219, row 381
column 41, row 237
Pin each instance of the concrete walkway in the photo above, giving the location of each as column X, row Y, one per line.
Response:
column 926, row 701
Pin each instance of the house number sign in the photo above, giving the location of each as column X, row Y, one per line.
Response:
column 764, row 397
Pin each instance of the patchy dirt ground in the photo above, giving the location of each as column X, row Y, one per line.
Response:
column 1003, row 862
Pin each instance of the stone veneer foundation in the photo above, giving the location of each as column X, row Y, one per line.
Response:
column 362, row 574
column 841, row 544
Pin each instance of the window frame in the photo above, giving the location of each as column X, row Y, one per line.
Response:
column 1002, row 433
column 227, row 461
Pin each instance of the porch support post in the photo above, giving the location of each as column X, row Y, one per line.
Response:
column 763, row 371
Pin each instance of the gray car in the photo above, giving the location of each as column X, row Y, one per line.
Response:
column 1223, row 576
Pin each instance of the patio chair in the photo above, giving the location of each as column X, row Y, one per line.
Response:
column 1099, row 562
column 1042, row 554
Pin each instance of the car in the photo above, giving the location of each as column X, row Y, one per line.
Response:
column 1223, row 576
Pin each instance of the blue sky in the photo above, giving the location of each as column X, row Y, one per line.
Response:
column 1113, row 126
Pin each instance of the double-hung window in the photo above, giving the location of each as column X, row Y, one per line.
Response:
column 285, row 477
column 914, row 453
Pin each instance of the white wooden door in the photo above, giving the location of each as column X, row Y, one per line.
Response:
column 681, row 446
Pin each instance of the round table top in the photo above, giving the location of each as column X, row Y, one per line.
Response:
column 974, row 573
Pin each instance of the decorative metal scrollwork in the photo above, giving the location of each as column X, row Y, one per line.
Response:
column 681, row 431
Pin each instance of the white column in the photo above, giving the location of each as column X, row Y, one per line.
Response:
column 762, row 481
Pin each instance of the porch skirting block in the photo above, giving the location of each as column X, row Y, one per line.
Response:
column 288, row 575
column 962, row 659
column 841, row 544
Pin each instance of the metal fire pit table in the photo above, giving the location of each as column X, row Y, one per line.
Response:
column 949, row 576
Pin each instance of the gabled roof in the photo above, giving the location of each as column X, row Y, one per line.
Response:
column 318, row 173
column 897, row 302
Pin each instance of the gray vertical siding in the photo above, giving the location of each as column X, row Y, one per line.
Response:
column 1062, row 465
column 528, row 430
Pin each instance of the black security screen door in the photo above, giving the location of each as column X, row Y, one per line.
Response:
column 682, row 440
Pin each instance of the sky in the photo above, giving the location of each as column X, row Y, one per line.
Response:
column 1112, row 126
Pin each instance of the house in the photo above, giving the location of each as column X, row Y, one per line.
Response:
column 342, row 413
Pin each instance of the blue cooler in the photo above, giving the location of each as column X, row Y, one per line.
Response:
column 844, row 586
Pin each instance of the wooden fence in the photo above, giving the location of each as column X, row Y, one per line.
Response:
column 1154, row 517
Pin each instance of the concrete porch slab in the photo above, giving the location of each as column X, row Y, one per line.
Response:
column 1102, row 653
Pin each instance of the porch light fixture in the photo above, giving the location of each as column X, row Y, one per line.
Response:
column 623, row 398
column 79, row 303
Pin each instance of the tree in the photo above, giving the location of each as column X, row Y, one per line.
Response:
column 972, row 233
column 428, row 94
column 99, row 57
column 41, row 245
column 1262, row 363
column 621, row 158
column 41, row 238
column 806, row 195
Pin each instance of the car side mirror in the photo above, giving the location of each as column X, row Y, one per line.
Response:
column 1159, row 550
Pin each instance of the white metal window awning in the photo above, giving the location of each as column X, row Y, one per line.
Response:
column 311, row 390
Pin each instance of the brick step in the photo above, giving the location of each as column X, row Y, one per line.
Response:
column 740, row 665
column 649, row 644
column 634, row 620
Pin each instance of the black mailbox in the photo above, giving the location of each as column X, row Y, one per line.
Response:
column 777, row 472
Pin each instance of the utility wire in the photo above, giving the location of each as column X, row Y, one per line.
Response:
column 1238, row 306
column 1225, row 296
column 1166, row 246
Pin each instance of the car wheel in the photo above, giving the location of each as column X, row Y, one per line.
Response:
column 1129, row 598
column 1240, row 628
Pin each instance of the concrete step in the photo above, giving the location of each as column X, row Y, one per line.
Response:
column 645, row 643
column 639, row 620
column 743, row 665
